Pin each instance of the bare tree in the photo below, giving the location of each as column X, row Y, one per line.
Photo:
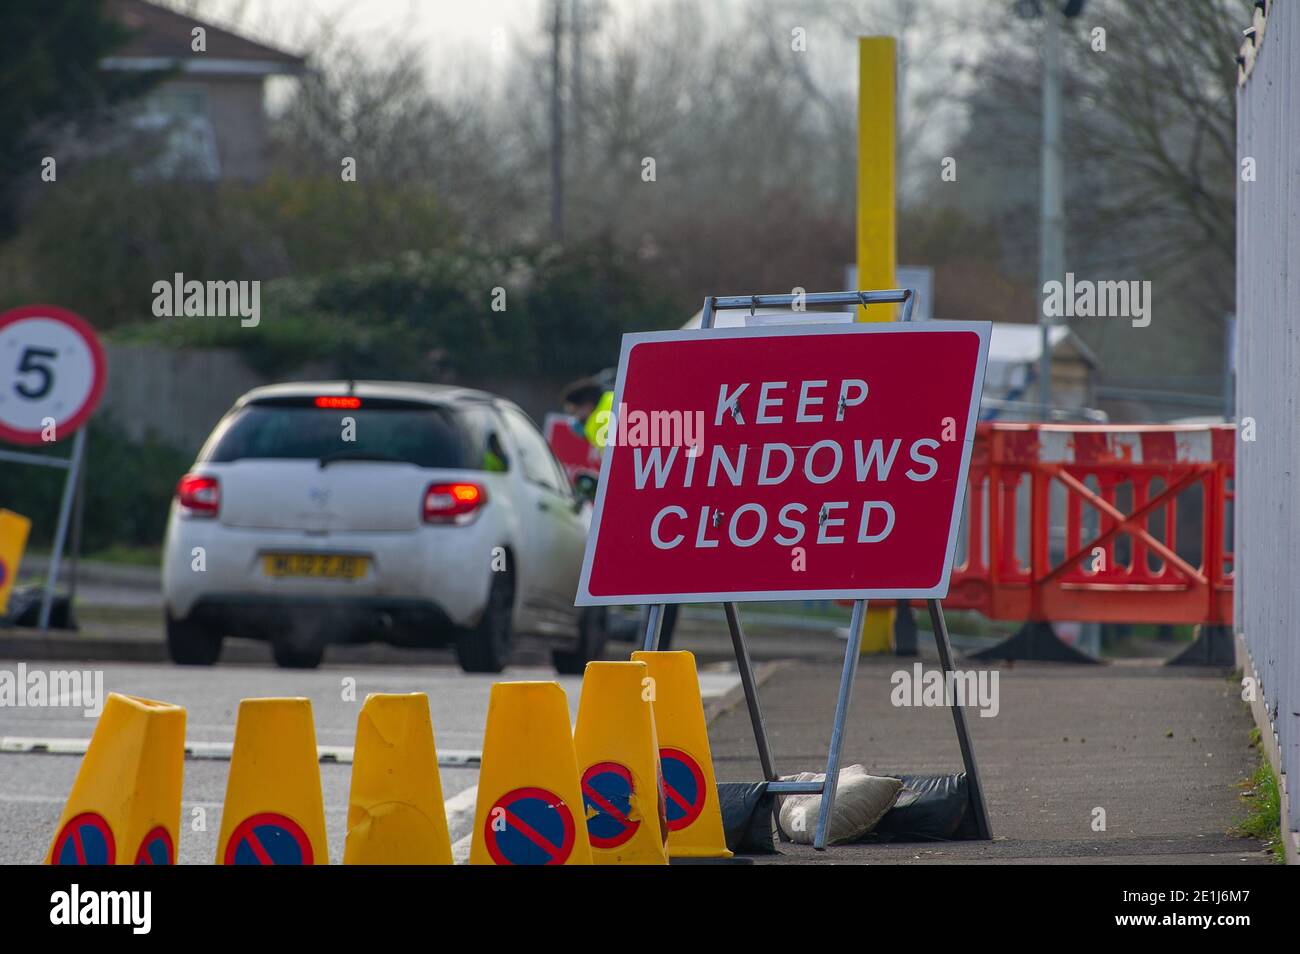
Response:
column 381, row 110
column 1150, row 142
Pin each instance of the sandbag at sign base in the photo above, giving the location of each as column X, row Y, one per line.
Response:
column 861, row 800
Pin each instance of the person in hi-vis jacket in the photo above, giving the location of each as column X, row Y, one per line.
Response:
column 590, row 404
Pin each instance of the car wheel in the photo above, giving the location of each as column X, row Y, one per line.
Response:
column 486, row 647
column 292, row 649
column 593, row 630
column 191, row 644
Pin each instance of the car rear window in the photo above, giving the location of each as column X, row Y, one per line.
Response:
column 423, row 435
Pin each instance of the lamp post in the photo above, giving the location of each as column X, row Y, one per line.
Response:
column 1051, row 234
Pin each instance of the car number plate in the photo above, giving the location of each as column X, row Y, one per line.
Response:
column 331, row 566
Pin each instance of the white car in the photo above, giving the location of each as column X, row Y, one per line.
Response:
column 421, row 515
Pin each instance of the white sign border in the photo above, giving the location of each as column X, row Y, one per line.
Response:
column 981, row 329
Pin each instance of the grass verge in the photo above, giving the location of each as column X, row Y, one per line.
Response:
column 1263, row 819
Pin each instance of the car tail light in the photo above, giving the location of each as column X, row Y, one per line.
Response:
column 199, row 495
column 452, row 503
column 345, row 403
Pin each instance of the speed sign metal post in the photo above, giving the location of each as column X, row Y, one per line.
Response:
column 52, row 374
column 922, row 380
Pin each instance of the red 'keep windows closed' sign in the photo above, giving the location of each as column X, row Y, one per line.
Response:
column 815, row 462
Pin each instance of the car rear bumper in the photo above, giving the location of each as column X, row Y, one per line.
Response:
column 410, row 622
column 205, row 561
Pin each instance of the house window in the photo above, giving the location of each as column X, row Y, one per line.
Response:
column 188, row 145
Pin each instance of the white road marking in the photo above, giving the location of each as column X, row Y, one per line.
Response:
column 62, row 800
column 33, row 799
column 460, row 850
column 460, row 823
column 220, row 751
column 460, row 805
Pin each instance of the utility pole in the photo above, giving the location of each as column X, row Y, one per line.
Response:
column 1229, row 367
column 1051, row 248
column 557, row 123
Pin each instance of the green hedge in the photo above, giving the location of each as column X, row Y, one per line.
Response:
column 128, row 487
column 430, row 316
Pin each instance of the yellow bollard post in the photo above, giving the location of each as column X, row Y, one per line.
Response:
column 876, row 171
column 395, row 809
column 529, row 808
column 273, row 813
column 125, row 805
column 618, row 758
column 690, row 789
column 877, row 226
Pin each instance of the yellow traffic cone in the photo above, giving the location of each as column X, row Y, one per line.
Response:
column 125, row 805
column 273, row 813
column 529, row 809
column 618, row 757
column 690, row 790
column 395, row 808
column 13, row 539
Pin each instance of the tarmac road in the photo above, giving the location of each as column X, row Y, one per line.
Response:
column 33, row 787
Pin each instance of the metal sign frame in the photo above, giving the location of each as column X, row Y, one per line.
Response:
column 827, row 788
column 73, row 465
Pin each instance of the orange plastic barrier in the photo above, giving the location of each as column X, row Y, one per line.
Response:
column 1080, row 522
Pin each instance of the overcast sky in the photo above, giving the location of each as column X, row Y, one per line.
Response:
column 469, row 41
column 453, row 30
column 459, row 33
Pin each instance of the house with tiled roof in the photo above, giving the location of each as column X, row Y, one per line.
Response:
column 210, row 106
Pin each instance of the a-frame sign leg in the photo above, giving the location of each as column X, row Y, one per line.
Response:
column 851, row 653
column 746, row 669
column 974, row 786
column 61, row 531
column 654, row 623
column 751, row 691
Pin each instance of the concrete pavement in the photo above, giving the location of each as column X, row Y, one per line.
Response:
column 1160, row 750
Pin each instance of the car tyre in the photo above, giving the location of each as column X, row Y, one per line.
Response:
column 593, row 631
column 294, row 650
column 486, row 646
column 189, row 643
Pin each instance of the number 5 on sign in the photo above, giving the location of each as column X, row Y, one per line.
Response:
column 51, row 368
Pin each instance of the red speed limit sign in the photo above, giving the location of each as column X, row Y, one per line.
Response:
column 51, row 371
column 815, row 462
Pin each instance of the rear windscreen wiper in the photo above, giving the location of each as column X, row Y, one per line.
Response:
column 357, row 455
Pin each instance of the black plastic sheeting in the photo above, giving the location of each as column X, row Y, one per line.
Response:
column 929, row 808
column 747, row 817
column 25, row 610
